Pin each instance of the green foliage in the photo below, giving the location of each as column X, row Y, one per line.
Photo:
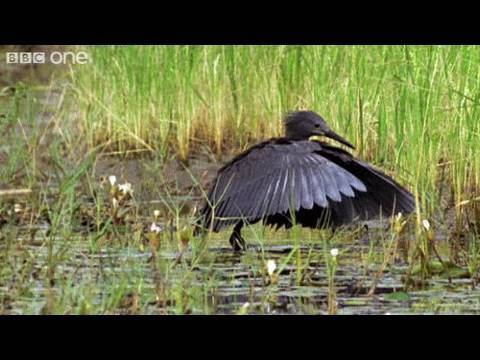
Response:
column 410, row 109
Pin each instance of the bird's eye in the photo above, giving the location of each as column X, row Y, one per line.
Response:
column 317, row 125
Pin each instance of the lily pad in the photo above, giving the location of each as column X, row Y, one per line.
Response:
column 397, row 296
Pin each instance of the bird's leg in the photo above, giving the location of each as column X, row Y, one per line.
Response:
column 236, row 240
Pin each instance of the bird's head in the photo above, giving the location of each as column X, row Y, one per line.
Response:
column 301, row 125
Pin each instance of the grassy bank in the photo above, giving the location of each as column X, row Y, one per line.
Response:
column 412, row 110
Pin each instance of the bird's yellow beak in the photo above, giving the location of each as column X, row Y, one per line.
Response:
column 315, row 138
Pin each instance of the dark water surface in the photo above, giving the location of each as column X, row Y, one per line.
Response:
column 226, row 283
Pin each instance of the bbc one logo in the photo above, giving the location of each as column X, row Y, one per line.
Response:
column 55, row 57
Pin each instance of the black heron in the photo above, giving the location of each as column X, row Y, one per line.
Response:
column 319, row 184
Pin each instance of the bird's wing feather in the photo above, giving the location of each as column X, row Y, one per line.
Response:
column 381, row 190
column 274, row 177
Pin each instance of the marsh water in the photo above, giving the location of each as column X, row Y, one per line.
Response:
column 226, row 283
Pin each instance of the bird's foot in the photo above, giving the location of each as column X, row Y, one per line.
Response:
column 238, row 243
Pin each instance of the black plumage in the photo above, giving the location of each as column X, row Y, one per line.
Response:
column 293, row 179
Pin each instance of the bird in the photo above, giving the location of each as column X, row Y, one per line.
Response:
column 299, row 179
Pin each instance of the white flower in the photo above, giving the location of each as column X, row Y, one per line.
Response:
column 17, row 208
column 426, row 224
column 243, row 309
column 271, row 266
column 156, row 213
column 399, row 216
column 125, row 188
column 112, row 179
column 334, row 252
column 155, row 228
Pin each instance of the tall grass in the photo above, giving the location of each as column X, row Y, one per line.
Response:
column 412, row 110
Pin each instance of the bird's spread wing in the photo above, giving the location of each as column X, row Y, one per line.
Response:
column 383, row 196
column 275, row 177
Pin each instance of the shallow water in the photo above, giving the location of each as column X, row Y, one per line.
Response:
column 228, row 283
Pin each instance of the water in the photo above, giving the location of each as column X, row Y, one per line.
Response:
column 226, row 283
